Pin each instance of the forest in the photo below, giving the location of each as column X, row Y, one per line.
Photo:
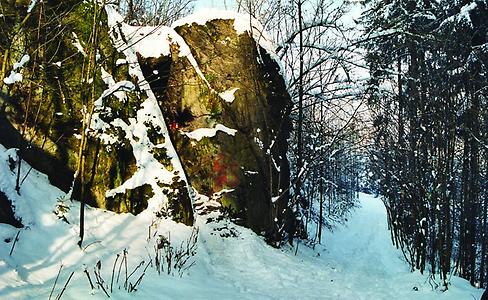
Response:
column 286, row 118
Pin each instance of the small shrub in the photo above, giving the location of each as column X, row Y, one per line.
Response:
column 175, row 260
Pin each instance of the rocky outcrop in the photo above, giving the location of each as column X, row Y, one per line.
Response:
column 229, row 126
column 203, row 122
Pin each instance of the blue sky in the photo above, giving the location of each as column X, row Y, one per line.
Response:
column 221, row 4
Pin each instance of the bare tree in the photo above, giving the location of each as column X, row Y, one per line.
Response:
column 154, row 12
column 317, row 59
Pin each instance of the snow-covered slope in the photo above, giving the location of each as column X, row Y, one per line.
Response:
column 231, row 262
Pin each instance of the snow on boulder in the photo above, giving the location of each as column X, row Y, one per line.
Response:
column 242, row 24
column 213, row 99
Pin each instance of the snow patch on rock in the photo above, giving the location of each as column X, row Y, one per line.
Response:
column 13, row 78
column 200, row 133
column 153, row 42
column 77, row 44
column 110, row 82
column 31, row 6
column 243, row 23
column 228, row 96
column 17, row 76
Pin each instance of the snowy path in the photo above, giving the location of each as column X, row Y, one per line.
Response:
column 357, row 262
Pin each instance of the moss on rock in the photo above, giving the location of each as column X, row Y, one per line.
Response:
column 57, row 94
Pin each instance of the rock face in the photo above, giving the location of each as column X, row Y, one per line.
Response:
column 67, row 79
column 211, row 129
column 230, row 127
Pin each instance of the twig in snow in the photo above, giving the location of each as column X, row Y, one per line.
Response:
column 139, row 280
column 113, row 272
column 55, row 281
column 126, row 278
column 94, row 242
column 15, row 242
column 182, row 271
column 64, row 287
column 89, row 279
column 157, row 258
column 149, row 255
column 138, row 266
column 103, row 289
column 120, row 267
column 98, row 277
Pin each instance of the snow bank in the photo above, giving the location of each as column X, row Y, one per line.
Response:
column 49, row 240
column 357, row 261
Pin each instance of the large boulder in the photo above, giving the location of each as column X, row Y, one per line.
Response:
column 229, row 120
column 203, row 120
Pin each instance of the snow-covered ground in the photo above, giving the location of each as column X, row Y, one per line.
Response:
column 356, row 261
